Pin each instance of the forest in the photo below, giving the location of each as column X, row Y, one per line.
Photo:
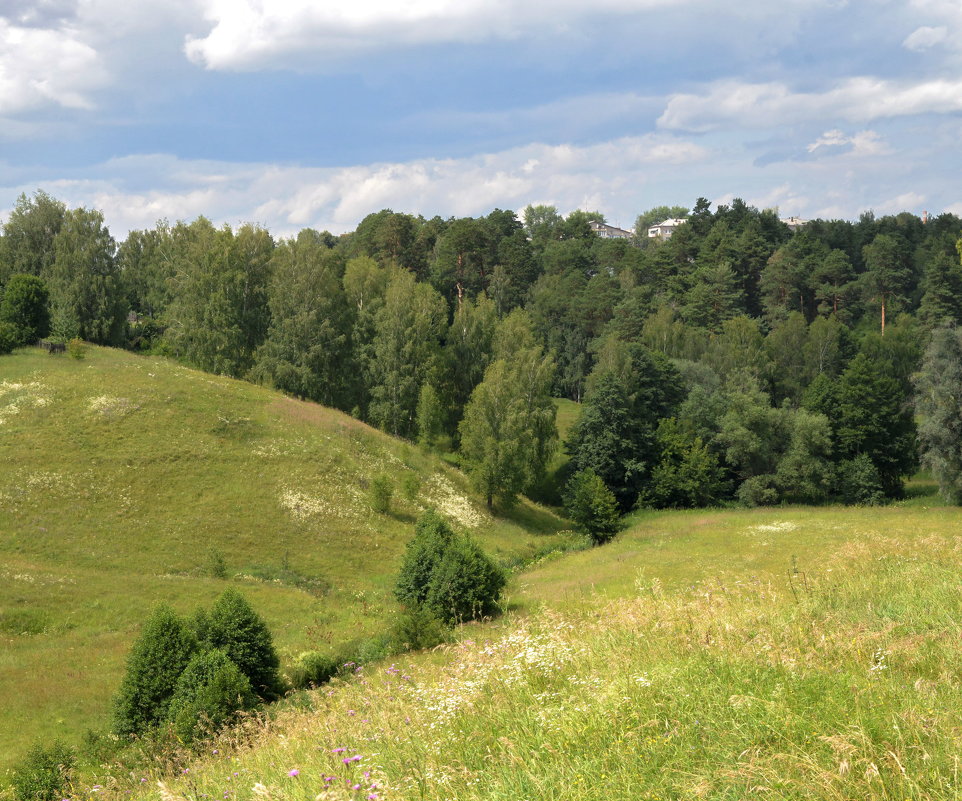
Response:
column 734, row 361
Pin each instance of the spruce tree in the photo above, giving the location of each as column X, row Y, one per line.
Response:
column 209, row 693
column 154, row 665
column 592, row 506
column 235, row 628
column 874, row 419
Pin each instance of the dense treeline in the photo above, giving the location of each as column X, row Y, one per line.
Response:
column 736, row 358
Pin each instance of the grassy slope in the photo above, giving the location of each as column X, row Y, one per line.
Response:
column 125, row 479
column 704, row 668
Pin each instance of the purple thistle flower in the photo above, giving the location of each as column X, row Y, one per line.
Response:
column 294, row 773
column 338, row 750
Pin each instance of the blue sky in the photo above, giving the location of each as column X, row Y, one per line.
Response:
column 292, row 113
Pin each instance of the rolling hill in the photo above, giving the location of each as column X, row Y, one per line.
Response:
column 128, row 481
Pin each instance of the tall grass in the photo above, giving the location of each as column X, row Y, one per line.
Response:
column 131, row 480
column 840, row 685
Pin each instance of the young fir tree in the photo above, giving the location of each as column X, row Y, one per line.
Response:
column 592, row 506
column 154, row 665
column 209, row 694
column 236, row 629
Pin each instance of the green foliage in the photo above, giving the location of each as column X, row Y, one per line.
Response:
column 403, row 352
column 77, row 348
column 805, row 474
column 307, row 351
column 761, row 490
column 154, row 665
column 410, row 485
column 859, row 482
column 86, row 291
column 236, row 629
column 591, row 506
column 938, row 402
column 416, row 629
column 380, row 493
column 9, row 338
column 873, row 419
column 219, row 315
column 430, row 416
column 449, row 575
column 216, row 566
column 688, row 473
column 465, row 584
column 508, row 432
column 25, row 306
column 209, row 694
column 313, row 668
column 628, row 392
column 432, row 537
column 44, row 774
column 29, row 234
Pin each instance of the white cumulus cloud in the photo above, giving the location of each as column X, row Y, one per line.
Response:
column 252, row 34
column 925, row 37
column 286, row 198
column 41, row 66
column 768, row 105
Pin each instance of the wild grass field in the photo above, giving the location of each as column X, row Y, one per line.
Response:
column 784, row 653
column 128, row 481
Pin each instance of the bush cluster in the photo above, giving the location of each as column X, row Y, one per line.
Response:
column 447, row 574
column 44, row 774
column 196, row 676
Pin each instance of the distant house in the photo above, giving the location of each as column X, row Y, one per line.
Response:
column 609, row 231
column 794, row 222
column 665, row 229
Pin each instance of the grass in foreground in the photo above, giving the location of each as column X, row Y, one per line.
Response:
column 838, row 683
column 128, row 481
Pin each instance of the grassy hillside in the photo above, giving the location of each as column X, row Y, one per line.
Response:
column 788, row 653
column 128, row 481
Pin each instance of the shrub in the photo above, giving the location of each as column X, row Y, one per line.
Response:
column 25, row 307
column 759, row 491
column 449, row 575
column 380, row 493
column 416, row 629
column 314, row 668
column 432, row 536
column 592, row 506
column 236, row 629
column 9, row 338
column 688, row 473
column 44, row 773
column 411, row 485
column 154, row 665
column 859, row 482
column 465, row 584
column 77, row 348
column 209, row 694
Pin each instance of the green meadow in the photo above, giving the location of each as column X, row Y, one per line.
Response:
column 781, row 653
column 787, row 653
column 129, row 481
